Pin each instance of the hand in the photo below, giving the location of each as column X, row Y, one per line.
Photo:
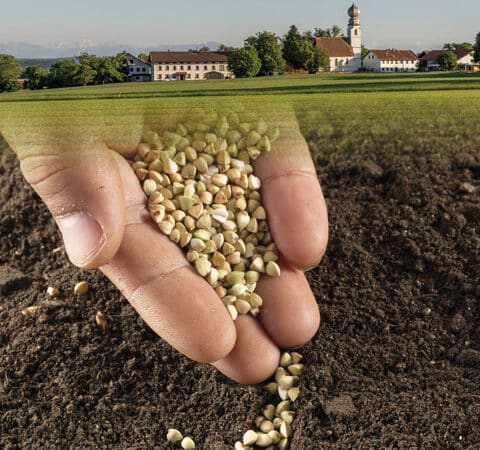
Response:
column 99, row 206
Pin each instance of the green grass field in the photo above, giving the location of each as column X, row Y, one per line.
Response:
column 367, row 114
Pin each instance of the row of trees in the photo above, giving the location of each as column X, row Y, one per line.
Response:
column 265, row 53
column 88, row 70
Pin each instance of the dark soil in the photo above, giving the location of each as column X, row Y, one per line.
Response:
column 396, row 363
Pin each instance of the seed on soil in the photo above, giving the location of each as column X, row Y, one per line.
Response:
column 101, row 320
column 31, row 311
column 187, row 443
column 52, row 291
column 174, row 435
column 81, row 288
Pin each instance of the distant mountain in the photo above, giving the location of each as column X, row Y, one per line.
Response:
column 65, row 50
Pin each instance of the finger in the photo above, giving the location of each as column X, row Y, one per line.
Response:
column 289, row 314
column 155, row 277
column 254, row 357
column 292, row 196
column 83, row 191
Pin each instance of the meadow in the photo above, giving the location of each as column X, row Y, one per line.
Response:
column 339, row 114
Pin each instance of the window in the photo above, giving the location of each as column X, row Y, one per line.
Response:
column 131, row 69
column 346, row 61
column 205, row 68
column 197, row 75
column 143, row 69
column 356, row 32
column 189, row 76
column 174, row 67
column 189, row 67
column 181, row 67
column 167, row 67
column 166, row 76
column 336, row 61
column 222, row 67
column 138, row 69
column 197, row 67
column 159, row 76
column 214, row 68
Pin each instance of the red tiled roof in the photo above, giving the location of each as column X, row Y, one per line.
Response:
column 186, row 57
column 394, row 55
column 334, row 46
column 434, row 54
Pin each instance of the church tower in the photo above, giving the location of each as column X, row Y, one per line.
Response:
column 354, row 30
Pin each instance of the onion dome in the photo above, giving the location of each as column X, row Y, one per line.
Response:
column 354, row 11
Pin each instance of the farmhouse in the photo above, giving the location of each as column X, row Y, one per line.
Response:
column 138, row 69
column 177, row 66
column 465, row 59
column 391, row 60
column 345, row 53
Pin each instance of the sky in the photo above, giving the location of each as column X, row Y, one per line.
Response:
column 409, row 24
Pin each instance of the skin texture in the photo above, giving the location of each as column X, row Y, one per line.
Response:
column 100, row 208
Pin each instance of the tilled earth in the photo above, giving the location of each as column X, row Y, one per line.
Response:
column 396, row 363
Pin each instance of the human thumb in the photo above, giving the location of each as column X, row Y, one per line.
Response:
column 82, row 189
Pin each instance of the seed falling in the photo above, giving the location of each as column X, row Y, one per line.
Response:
column 174, row 435
column 81, row 288
column 187, row 443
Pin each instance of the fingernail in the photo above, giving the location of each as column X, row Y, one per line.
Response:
column 82, row 235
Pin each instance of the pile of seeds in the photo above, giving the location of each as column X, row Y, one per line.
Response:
column 203, row 194
column 274, row 425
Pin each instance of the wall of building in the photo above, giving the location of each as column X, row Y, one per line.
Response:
column 371, row 62
column 194, row 71
column 345, row 64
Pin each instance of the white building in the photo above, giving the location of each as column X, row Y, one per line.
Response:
column 391, row 60
column 465, row 59
column 177, row 66
column 345, row 53
column 138, row 69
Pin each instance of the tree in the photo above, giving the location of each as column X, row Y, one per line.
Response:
column 110, row 70
column 458, row 46
column 298, row 50
column 269, row 51
column 318, row 60
column 334, row 31
column 476, row 55
column 85, row 75
column 10, row 71
column 244, row 62
column 143, row 56
column 226, row 48
column 63, row 74
column 36, row 77
column 447, row 60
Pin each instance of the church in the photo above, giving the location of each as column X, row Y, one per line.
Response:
column 345, row 53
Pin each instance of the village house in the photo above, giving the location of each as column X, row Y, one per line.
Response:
column 177, row 66
column 345, row 53
column 465, row 59
column 138, row 69
column 391, row 60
